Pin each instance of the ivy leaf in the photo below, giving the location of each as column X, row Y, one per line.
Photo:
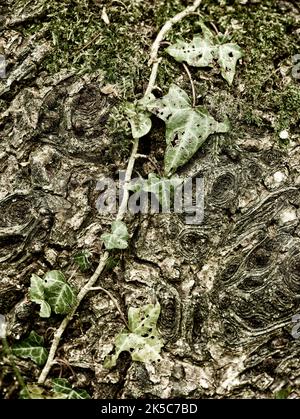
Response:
column 32, row 392
column 52, row 293
column 32, row 347
column 186, row 127
column 62, row 387
column 142, row 340
column 139, row 117
column 82, row 260
column 37, row 295
column 58, row 292
column 118, row 238
column 229, row 54
column 202, row 51
column 197, row 53
column 162, row 188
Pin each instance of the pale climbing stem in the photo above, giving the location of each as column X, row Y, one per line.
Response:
column 154, row 62
column 192, row 84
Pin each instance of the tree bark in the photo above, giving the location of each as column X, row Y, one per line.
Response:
column 228, row 288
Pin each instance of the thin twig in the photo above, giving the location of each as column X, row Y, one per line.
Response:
column 123, row 206
column 154, row 61
column 113, row 300
column 192, row 83
column 215, row 28
column 59, row 332
column 90, row 42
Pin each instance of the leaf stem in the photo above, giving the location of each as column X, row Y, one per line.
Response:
column 192, row 84
column 154, row 61
column 114, row 301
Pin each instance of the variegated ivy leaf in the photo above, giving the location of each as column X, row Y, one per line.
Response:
column 58, row 293
column 37, row 295
column 139, row 117
column 32, row 347
column 202, row 51
column 62, row 387
column 142, row 340
column 162, row 188
column 52, row 293
column 118, row 238
column 83, row 260
column 186, row 127
column 228, row 56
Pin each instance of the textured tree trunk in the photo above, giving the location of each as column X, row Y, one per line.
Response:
column 228, row 288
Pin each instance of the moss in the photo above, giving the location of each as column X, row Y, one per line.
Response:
column 266, row 31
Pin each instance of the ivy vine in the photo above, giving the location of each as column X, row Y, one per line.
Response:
column 187, row 127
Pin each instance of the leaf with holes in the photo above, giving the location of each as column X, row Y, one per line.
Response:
column 139, row 117
column 202, row 51
column 197, row 53
column 162, row 188
column 58, row 293
column 228, row 56
column 37, row 295
column 142, row 340
column 32, row 347
column 186, row 127
column 118, row 238
column 62, row 387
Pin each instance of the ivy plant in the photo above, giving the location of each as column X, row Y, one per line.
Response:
column 118, row 238
column 204, row 49
column 186, row 127
column 52, row 293
column 161, row 187
column 61, row 389
column 32, row 348
column 142, row 339
column 82, row 259
column 139, row 117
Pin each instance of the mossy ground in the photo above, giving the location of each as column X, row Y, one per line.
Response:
column 266, row 30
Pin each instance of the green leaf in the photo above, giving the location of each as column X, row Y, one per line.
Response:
column 142, row 340
column 63, row 387
column 139, row 117
column 203, row 50
column 32, row 392
column 32, row 347
column 82, row 260
column 162, row 188
column 197, row 53
column 283, row 393
column 229, row 54
column 186, row 127
column 37, row 295
column 58, row 292
column 52, row 292
column 118, row 238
